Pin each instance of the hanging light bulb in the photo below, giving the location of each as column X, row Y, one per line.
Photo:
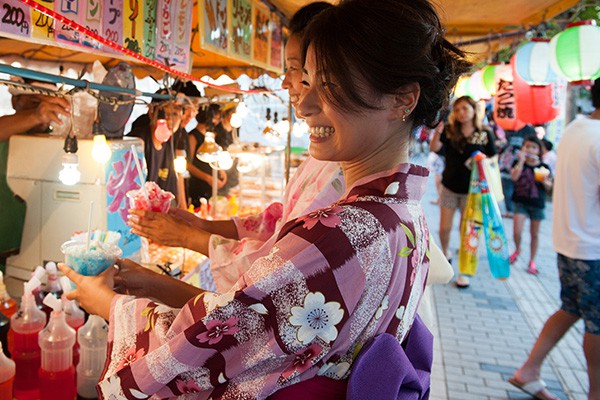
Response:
column 101, row 151
column 162, row 132
column 223, row 161
column 180, row 162
column 209, row 150
column 283, row 127
column 242, row 110
column 70, row 175
column 236, row 120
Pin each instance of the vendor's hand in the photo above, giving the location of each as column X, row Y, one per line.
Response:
column 162, row 228
column 94, row 293
column 522, row 156
column 50, row 108
column 133, row 279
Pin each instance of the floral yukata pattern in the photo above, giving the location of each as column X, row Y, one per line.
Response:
column 334, row 279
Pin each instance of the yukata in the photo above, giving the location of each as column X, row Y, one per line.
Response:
column 316, row 184
column 334, row 279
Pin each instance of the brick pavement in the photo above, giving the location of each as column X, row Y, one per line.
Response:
column 485, row 332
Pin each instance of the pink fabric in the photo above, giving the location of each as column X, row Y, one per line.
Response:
column 315, row 185
column 331, row 282
column 317, row 388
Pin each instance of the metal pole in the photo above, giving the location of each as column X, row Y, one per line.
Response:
column 213, row 208
column 288, row 147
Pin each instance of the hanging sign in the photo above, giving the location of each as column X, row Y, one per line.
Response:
column 276, row 57
column 43, row 26
column 181, row 29
column 92, row 21
column 73, row 10
column 241, row 28
column 214, row 30
column 112, row 22
column 133, row 25
column 260, row 35
column 16, row 18
column 164, row 30
column 149, row 49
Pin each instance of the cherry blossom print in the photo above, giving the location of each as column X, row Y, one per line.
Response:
column 187, row 386
column 303, row 360
column 385, row 304
column 326, row 216
column 316, row 318
column 130, row 357
column 216, row 329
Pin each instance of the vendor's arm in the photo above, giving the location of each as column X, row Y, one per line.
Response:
column 46, row 112
column 168, row 230
column 225, row 228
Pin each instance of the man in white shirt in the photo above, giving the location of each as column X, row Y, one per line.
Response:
column 576, row 239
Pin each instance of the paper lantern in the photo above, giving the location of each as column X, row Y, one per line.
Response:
column 536, row 104
column 488, row 77
column 505, row 110
column 477, row 88
column 532, row 63
column 462, row 87
column 575, row 52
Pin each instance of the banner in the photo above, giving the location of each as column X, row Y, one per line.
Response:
column 112, row 22
column 276, row 58
column 133, row 25
column 92, row 21
column 214, row 32
column 181, row 50
column 73, row 10
column 149, row 28
column 43, row 26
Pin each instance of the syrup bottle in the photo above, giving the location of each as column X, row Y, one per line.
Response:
column 93, row 340
column 57, row 373
column 7, row 376
column 74, row 315
column 25, row 326
column 52, row 286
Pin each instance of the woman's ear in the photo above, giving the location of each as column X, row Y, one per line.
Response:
column 405, row 101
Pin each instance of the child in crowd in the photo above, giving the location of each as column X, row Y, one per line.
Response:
column 532, row 179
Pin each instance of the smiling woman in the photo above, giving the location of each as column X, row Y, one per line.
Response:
column 335, row 278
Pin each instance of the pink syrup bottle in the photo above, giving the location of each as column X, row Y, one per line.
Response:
column 25, row 326
column 7, row 375
column 57, row 373
column 73, row 314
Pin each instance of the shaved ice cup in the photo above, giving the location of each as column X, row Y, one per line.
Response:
column 160, row 200
column 94, row 261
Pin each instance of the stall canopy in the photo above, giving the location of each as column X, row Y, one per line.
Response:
column 465, row 20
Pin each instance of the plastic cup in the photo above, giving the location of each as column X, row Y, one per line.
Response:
column 541, row 174
column 160, row 200
column 92, row 261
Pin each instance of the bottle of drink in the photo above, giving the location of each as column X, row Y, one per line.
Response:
column 39, row 273
column 93, row 339
column 52, row 286
column 25, row 326
column 4, row 329
column 8, row 306
column 7, row 376
column 73, row 314
column 57, row 373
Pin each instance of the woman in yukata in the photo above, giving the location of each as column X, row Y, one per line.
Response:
column 335, row 278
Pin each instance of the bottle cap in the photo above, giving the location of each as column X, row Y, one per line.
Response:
column 39, row 272
column 32, row 284
column 52, row 302
column 51, row 268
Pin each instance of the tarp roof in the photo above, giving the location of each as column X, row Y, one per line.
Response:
column 464, row 20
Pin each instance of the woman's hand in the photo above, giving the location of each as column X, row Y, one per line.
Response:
column 94, row 293
column 133, row 279
column 164, row 229
column 222, row 180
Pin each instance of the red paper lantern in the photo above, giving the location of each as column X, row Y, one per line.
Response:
column 536, row 104
column 505, row 110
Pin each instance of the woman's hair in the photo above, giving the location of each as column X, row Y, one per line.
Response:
column 303, row 16
column 389, row 44
column 534, row 139
column 454, row 127
column 596, row 93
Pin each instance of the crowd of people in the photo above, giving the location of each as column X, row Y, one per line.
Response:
column 311, row 288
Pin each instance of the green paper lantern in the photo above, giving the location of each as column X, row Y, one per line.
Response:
column 575, row 52
column 487, row 74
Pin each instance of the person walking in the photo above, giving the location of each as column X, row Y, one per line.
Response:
column 576, row 239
